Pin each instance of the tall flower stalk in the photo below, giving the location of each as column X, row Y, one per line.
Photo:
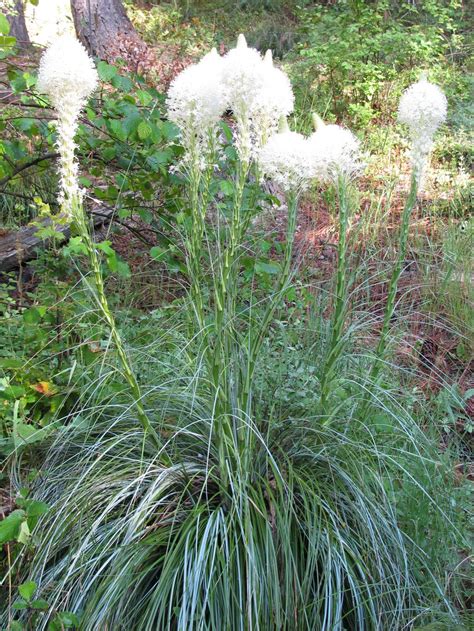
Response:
column 395, row 277
column 285, row 160
column 335, row 154
column 291, row 198
column 196, row 102
column 257, row 94
column 67, row 75
column 422, row 108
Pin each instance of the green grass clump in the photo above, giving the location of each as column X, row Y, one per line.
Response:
column 321, row 530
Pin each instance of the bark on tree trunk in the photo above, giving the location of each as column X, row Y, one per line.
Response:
column 103, row 26
column 18, row 29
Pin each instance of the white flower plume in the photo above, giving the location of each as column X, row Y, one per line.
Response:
column 274, row 100
column 285, row 160
column 334, row 151
column 196, row 100
column 243, row 77
column 258, row 94
column 67, row 75
column 423, row 107
column 67, row 71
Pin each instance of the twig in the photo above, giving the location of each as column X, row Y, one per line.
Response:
column 27, row 165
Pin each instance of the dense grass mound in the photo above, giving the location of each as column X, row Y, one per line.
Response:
column 304, row 535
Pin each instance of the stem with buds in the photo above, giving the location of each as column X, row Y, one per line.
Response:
column 392, row 289
column 79, row 219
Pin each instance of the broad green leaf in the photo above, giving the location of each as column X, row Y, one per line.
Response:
column 106, row 71
column 31, row 316
column 4, row 25
column 157, row 252
column 158, row 159
column 34, row 508
column 132, row 122
column 170, row 130
column 106, row 248
column 123, row 268
column 227, row 187
column 118, row 129
column 12, row 392
column 11, row 363
column 75, row 246
column 145, row 214
column 227, row 131
column 7, row 446
column 145, row 98
column 29, row 434
column 122, row 83
column 10, row 526
column 144, row 130
column 63, row 620
column 267, row 268
column 27, row 590
column 24, row 534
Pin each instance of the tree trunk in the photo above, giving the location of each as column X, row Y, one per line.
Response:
column 104, row 27
column 16, row 18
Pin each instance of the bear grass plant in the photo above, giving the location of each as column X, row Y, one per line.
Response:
column 235, row 511
column 307, row 537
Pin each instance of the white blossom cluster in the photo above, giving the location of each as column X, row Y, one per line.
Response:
column 67, row 75
column 256, row 92
column 293, row 161
column 243, row 77
column 274, row 100
column 196, row 100
column 258, row 95
column 422, row 108
column 334, row 151
column 285, row 159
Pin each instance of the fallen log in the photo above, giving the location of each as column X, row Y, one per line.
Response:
column 19, row 246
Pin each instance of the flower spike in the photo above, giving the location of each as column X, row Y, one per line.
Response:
column 335, row 151
column 68, row 76
column 318, row 122
column 241, row 41
column 422, row 109
column 283, row 125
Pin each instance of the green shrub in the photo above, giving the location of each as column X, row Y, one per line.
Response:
column 357, row 57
